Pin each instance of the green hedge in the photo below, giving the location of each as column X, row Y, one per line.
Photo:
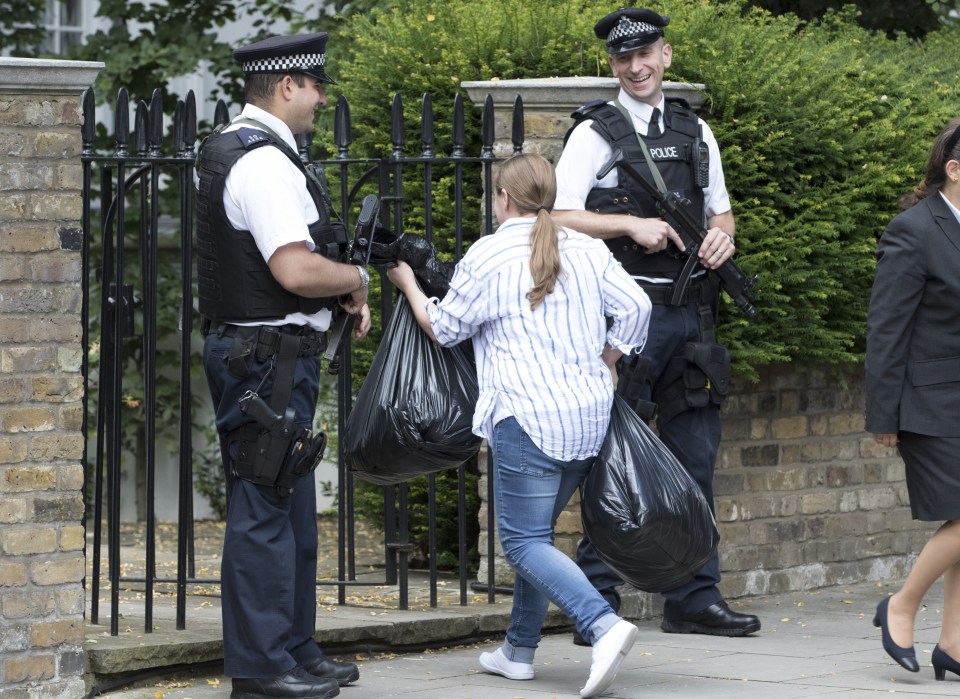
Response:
column 822, row 127
column 821, row 131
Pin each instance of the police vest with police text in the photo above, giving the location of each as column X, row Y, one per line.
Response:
column 233, row 280
column 674, row 154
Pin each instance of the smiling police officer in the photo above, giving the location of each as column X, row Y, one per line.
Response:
column 673, row 376
column 268, row 278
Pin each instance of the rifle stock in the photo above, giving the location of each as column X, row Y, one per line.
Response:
column 732, row 279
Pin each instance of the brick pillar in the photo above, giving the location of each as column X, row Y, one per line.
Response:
column 41, row 387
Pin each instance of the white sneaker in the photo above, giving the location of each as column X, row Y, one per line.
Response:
column 498, row 664
column 608, row 653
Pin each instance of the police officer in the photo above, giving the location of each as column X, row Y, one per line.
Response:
column 268, row 282
column 663, row 140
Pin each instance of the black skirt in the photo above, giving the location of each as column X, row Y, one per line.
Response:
column 933, row 475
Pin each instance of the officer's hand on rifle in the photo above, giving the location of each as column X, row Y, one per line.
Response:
column 361, row 322
column 717, row 248
column 652, row 234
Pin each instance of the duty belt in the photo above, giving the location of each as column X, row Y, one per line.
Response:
column 312, row 342
column 698, row 291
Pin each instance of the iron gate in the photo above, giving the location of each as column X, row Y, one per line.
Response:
column 126, row 193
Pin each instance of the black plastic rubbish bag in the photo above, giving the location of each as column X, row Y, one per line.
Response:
column 644, row 514
column 414, row 411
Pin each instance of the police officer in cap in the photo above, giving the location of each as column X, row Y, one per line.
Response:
column 268, row 280
column 670, row 379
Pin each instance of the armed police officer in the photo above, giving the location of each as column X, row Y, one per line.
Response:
column 681, row 375
column 268, row 281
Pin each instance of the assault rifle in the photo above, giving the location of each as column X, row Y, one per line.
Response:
column 358, row 253
column 732, row 279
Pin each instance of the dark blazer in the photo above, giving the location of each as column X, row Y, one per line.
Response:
column 913, row 326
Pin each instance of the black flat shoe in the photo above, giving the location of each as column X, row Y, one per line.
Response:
column 295, row 684
column 943, row 662
column 716, row 620
column 906, row 657
column 343, row 673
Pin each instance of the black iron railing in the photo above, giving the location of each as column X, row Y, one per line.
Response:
column 127, row 197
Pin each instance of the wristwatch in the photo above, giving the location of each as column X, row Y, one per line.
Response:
column 364, row 277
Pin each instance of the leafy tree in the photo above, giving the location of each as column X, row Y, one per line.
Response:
column 915, row 18
column 21, row 27
column 149, row 43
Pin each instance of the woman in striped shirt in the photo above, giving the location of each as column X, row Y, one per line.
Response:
column 549, row 311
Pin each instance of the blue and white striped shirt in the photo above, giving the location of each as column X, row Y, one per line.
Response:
column 543, row 366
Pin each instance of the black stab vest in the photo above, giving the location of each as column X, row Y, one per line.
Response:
column 673, row 153
column 233, row 280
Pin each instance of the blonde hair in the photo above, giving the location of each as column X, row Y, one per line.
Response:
column 532, row 185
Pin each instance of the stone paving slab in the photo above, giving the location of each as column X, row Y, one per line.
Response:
column 813, row 644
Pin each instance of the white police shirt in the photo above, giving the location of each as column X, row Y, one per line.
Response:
column 267, row 195
column 587, row 152
column 542, row 366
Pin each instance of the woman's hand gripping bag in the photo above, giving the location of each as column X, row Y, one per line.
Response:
column 643, row 513
column 414, row 411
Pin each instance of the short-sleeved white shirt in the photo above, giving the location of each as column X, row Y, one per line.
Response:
column 543, row 366
column 586, row 152
column 267, row 194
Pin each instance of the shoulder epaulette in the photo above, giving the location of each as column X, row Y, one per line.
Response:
column 250, row 137
column 587, row 108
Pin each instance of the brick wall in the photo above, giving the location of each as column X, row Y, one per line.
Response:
column 804, row 497
column 41, row 387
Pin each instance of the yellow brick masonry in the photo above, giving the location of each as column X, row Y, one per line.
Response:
column 41, row 387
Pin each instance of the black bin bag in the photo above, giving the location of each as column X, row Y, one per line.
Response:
column 414, row 411
column 644, row 514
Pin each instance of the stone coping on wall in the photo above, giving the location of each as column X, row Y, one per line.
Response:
column 42, row 76
column 567, row 93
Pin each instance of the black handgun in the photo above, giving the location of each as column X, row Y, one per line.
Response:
column 357, row 254
column 732, row 279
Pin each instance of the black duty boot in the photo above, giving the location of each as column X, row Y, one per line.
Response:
column 295, row 684
column 343, row 673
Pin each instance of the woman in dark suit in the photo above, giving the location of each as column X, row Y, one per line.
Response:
column 913, row 390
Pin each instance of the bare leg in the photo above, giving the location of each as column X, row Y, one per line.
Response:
column 950, row 630
column 939, row 556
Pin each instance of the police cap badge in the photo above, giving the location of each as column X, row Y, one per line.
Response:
column 630, row 28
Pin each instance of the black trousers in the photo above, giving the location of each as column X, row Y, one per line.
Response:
column 269, row 569
column 694, row 438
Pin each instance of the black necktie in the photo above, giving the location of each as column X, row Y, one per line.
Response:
column 653, row 131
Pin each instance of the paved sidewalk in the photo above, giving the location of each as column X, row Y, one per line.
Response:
column 813, row 644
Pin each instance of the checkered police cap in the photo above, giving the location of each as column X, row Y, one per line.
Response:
column 628, row 29
column 287, row 54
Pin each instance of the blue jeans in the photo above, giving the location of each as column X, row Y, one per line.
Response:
column 530, row 490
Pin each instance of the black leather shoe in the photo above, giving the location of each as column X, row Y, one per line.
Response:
column 613, row 599
column 295, row 684
column 579, row 640
column 715, row 620
column 343, row 673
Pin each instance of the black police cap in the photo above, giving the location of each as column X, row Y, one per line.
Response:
column 630, row 28
column 305, row 53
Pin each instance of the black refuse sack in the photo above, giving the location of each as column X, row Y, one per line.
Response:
column 644, row 514
column 414, row 411
column 433, row 274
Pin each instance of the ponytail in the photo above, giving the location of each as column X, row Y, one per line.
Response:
column 532, row 185
column 544, row 257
